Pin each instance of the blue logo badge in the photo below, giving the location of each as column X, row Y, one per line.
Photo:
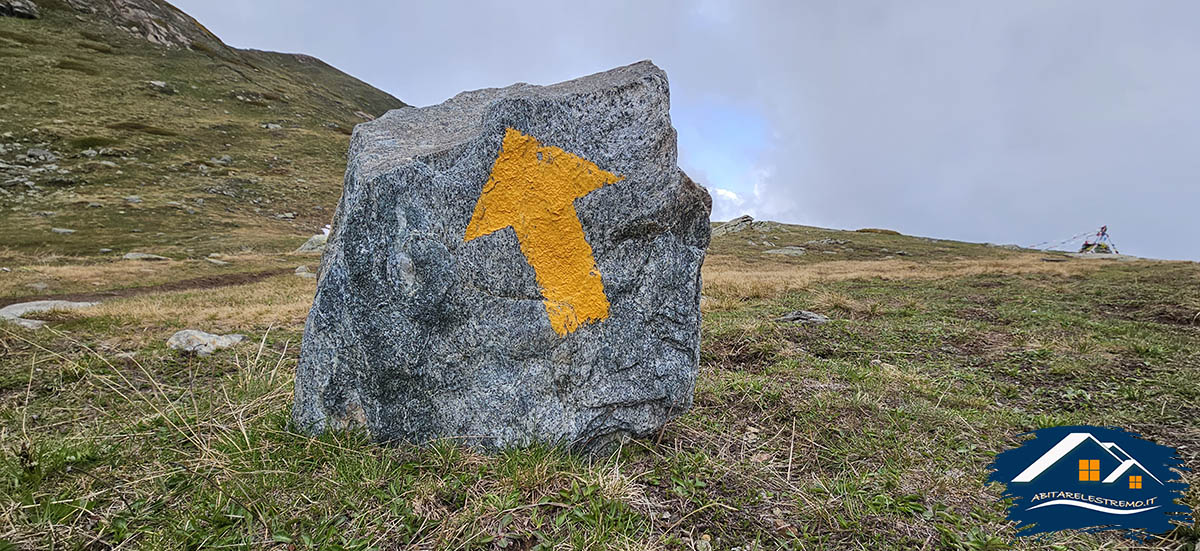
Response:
column 1091, row 479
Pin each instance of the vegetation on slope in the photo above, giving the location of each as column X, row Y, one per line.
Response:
column 872, row 431
column 217, row 149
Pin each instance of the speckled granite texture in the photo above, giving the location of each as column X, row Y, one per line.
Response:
column 416, row 334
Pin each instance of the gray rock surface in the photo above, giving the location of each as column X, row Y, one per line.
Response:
column 162, row 87
column 803, row 317
column 144, row 256
column 154, row 20
column 41, row 155
column 315, row 244
column 192, row 341
column 790, row 250
column 738, row 224
column 826, row 241
column 19, row 8
column 417, row 333
column 13, row 312
column 765, row 226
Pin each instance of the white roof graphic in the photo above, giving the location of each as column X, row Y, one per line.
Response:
column 1072, row 441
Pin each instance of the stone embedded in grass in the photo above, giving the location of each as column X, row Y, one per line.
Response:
column 144, row 256
column 826, row 241
column 161, row 87
column 315, row 244
column 790, row 250
column 41, row 155
column 13, row 312
column 803, row 317
column 192, row 341
column 514, row 265
column 63, row 231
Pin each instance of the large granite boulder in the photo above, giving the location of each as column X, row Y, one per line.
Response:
column 515, row 265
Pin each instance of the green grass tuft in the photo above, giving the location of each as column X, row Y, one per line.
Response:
column 72, row 65
column 21, row 37
column 95, row 46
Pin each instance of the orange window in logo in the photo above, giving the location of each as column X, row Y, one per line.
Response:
column 1089, row 470
column 1135, row 482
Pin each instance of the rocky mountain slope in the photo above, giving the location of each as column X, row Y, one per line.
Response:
column 126, row 125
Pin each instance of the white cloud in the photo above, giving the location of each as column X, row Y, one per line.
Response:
column 1013, row 121
column 727, row 204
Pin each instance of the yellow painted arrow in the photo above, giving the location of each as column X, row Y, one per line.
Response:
column 533, row 188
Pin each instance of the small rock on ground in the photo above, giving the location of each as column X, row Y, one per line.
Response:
column 143, row 256
column 192, row 341
column 803, row 317
column 315, row 244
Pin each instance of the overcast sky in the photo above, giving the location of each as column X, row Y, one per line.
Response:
column 1006, row 121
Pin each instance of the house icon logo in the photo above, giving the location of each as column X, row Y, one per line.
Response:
column 1092, row 478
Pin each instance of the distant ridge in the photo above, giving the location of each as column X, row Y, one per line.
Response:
column 105, row 100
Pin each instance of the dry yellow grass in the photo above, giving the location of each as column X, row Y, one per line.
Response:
column 116, row 273
column 280, row 301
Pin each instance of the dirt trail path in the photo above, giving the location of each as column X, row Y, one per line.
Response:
column 206, row 282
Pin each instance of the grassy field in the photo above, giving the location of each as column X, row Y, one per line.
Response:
column 871, row 432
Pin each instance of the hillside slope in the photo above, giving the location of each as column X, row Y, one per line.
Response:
column 873, row 430
column 129, row 123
